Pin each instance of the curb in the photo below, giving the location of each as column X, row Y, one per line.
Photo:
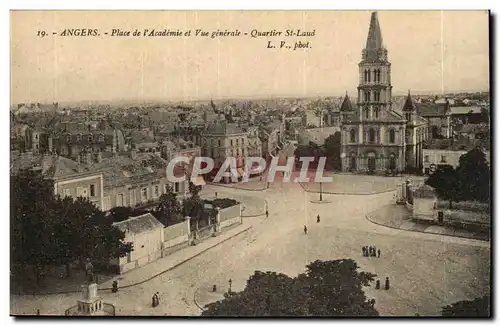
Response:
column 346, row 193
column 238, row 188
column 156, row 275
column 434, row 233
column 320, row 201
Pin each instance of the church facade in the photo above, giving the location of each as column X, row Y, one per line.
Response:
column 376, row 138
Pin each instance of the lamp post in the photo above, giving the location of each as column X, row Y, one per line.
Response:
column 320, row 191
column 230, row 282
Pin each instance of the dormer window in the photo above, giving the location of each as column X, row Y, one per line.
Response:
column 90, row 138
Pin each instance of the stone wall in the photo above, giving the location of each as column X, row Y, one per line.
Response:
column 230, row 216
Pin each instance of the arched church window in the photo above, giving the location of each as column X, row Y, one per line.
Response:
column 371, row 135
column 376, row 110
column 378, row 75
column 369, row 75
column 392, row 136
column 366, row 75
column 352, row 136
column 367, row 113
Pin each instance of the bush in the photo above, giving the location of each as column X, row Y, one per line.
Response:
column 222, row 202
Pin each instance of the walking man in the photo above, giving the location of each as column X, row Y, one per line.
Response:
column 305, row 229
column 267, row 213
column 317, row 219
column 378, row 252
column 387, row 284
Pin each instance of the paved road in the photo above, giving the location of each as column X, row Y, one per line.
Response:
column 427, row 271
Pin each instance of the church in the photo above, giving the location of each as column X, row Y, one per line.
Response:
column 376, row 138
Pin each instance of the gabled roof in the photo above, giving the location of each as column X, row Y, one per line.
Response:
column 431, row 109
column 139, row 224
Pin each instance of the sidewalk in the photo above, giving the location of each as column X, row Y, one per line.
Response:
column 163, row 265
column 398, row 217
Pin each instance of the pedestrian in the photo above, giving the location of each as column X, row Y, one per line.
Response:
column 369, row 251
column 216, row 194
column 317, row 219
column 363, row 249
column 154, row 303
column 366, row 251
column 387, row 284
column 38, row 312
column 378, row 252
column 374, row 254
column 377, row 284
column 267, row 214
column 115, row 286
column 305, row 229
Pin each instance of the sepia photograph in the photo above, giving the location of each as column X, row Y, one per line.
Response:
column 239, row 163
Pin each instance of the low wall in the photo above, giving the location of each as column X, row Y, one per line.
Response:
column 229, row 213
column 230, row 222
column 144, row 260
column 175, row 237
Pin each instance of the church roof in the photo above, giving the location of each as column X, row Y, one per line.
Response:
column 409, row 104
column 346, row 104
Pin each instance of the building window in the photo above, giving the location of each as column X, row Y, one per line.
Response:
column 367, row 113
column 156, row 191
column 366, row 96
column 36, row 136
column 376, row 96
column 90, row 139
column 366, row 76
column 408, row 116
column 78, row 137
column 378, row 75
column 243, row 152
column 426, row 158
column 231, row 143
column 352, row 136
column 176, row 187
column 132, row 197
column 242, row 141
column 144, row 194
column 120, row 200
column 218, row 142
column 101, row 138
column 68, row 138
column 443, row 158
column 392, row 136
column 371, row 135
column 92, row 190
column 237, row 142
column 376, row 112
column 67, row 192
column 369, row 75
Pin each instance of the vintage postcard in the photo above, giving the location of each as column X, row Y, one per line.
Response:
column 250, row 163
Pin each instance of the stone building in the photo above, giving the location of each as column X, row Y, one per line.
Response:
column 375, row 137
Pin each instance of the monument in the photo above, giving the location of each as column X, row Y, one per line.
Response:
column 90, row 304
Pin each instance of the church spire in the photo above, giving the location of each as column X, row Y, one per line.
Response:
column 374, row 44
column 409, row 104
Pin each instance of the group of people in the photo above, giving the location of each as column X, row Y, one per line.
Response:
column 387, row 284
column 371, row 251
column 318, row 219
column 156, row 299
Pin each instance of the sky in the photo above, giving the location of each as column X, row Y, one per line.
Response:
column 430, row 52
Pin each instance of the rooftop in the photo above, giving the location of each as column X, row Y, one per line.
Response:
column 139, row 224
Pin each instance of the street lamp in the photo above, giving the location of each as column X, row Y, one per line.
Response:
column 230, row 282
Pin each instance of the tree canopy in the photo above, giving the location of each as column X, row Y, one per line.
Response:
column 169, row 209
column 469, row 181
column 327, row 288
column 48, row 230
column 479, row 307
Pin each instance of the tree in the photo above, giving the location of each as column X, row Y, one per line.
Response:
column 479, row 307
column 194, row 190
column 332, row 150
column 327, row 288
column 168, row 210
column 474, row 174
column 32, row 207
column 121, row 213
column 446, row 183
